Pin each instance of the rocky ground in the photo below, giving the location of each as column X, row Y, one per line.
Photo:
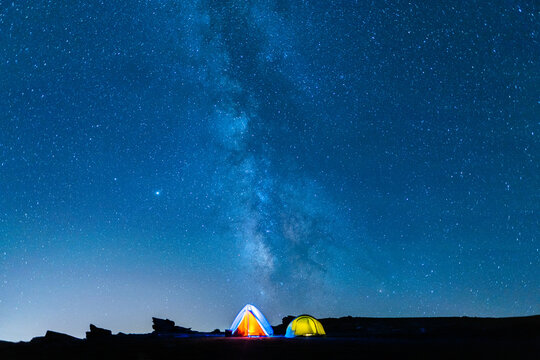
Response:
column 348, row 337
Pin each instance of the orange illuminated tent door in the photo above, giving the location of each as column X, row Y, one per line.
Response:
column 249, row 326
column 251, row 322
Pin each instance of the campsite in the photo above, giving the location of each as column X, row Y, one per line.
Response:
column 251, row 337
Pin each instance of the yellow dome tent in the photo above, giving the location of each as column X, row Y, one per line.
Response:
column 305, row 325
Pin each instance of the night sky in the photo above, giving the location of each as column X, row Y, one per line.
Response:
column 180, row 159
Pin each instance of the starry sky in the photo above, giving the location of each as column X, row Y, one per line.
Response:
column 180, row 159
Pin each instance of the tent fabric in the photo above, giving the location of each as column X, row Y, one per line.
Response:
column 305, row 325
column 251, row 322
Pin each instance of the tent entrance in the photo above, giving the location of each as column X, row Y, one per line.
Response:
column 249, row 326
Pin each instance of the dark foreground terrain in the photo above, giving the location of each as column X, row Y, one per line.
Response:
column 481, row 338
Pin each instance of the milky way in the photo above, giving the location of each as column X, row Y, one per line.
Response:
column 180, row 159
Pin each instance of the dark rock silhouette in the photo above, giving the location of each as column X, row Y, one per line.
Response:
column 167, row 326
column 281, row 328
column 53, row 337
column 449, row 326
column 96, row 333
